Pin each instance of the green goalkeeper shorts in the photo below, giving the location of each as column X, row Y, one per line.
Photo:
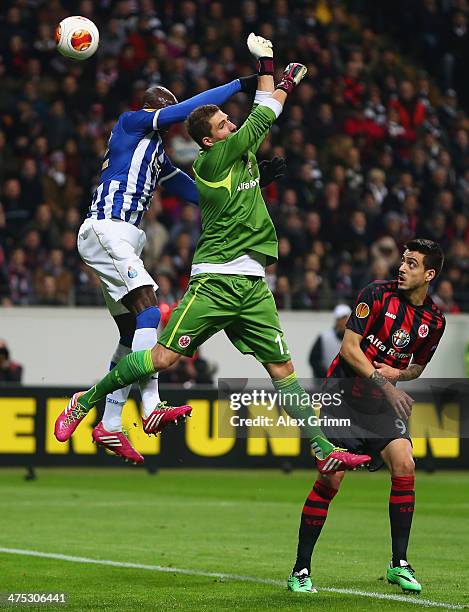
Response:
column 243, row 306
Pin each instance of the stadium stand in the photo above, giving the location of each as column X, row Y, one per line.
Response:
column 377, row 150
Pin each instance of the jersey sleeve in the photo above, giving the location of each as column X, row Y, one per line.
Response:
column 364, row 310
column 255, row 147
column 149, row 119
column 140, row 122
column 177, row 182
column 260, row 97
column 179, row 112
column 225, row 153
column 427, row 349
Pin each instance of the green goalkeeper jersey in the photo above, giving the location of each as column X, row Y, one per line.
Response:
column 235, row 220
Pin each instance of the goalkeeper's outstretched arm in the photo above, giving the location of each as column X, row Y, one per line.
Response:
column 263, row 52
column 209, row 125
column 256, row 126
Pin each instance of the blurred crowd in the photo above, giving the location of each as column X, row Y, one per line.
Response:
column 377, row 151
column 434, row 31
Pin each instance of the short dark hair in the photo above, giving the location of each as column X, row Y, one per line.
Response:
column 198, row 123
column 433, row 256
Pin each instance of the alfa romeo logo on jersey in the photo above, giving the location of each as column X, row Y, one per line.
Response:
column 184, row 341
column 400, row 338
column 423, row 330
column 131, row 272
column 362, row 310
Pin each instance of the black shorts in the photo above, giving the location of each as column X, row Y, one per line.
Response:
column 373, row 425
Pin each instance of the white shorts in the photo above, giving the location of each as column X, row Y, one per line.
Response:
column 112, row 248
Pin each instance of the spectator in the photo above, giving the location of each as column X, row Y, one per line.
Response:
column 444, row 297
column 379, row 270
column 31, row 186
column 342, row 278
column 386, row 248
column 183, row 149
column 410, row 113
column 282, row 293
column 47, row 227
column 47, row 294
column 325, row 125
column 35, row 253
column 188, row 224
column 19, row 279
column 54, row 282
column 10, row 371
column 59, row 189
column 166, row 292
column 377, row 185
column 410, row 217
column 327, row 344
column 313, row 295
column 87, row 287
column 355, row 232
column 448, row 109
column 59, row 125
column 393, row 227
column 17, row 210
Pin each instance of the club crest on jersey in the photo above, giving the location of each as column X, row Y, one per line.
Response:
column 184, row 341
column 423, row 330
column 131, row 272
column 362, row 310
column 400, row 338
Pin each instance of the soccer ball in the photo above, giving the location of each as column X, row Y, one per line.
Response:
column 77, row 38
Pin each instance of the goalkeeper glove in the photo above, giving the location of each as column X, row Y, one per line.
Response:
column 272, row 170
column 262, row 50
column 292, row 76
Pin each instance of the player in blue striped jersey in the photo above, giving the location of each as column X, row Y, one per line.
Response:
column 110, row 241
column 135, row 161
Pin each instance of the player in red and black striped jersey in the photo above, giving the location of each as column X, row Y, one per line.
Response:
column 392, row 329
column 391, row 335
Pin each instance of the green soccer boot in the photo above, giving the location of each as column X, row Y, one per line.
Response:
column 300, row 582
column 403, row 575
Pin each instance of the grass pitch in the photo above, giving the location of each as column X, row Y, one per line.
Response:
column 224, row 522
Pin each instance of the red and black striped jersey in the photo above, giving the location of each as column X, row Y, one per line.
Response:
column 393, row 330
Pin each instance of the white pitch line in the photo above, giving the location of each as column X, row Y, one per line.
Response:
column 175, row 570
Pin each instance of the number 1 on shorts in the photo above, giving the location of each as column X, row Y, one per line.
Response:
column 278, row 340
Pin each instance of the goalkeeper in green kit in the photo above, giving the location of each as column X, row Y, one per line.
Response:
column 227, row 290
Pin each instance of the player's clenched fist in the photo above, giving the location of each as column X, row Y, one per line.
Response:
column 259, row 46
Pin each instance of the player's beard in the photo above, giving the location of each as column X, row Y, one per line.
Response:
column 409, row 288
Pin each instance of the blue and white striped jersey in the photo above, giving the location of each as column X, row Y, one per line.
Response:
column 135, row 161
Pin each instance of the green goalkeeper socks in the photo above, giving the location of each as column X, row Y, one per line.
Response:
column 131, row 368
column 297, row 404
